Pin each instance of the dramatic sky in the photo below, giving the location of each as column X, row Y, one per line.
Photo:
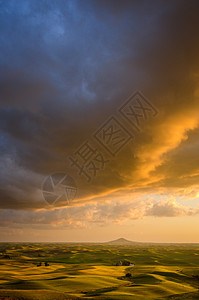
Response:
column 66, row 69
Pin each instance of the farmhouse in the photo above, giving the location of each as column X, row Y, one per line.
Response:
column 125, row 263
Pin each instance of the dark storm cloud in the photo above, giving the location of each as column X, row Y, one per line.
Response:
column 67, row 65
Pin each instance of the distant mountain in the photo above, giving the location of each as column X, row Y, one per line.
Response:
column 121, row 241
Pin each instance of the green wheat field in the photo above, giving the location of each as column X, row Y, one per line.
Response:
column 89, row 271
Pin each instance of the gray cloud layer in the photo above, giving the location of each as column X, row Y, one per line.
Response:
column 66, row 66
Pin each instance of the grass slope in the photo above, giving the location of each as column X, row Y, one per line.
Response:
column 88, row 271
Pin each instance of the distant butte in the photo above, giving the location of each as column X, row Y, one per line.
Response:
column 121, row 241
